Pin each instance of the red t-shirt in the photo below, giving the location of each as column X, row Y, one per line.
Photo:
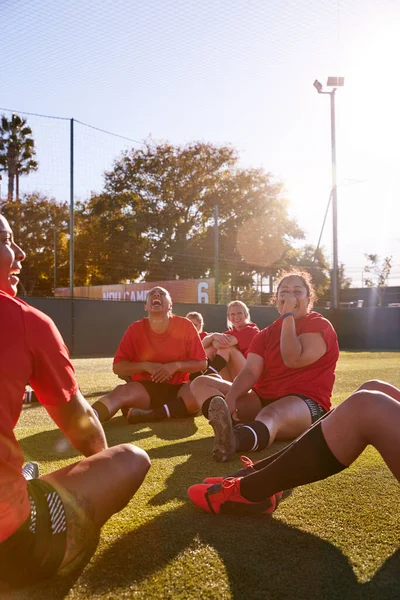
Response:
column 203, row 334
column 31, row 350
column 314, row 381
column 180, row 342
column 244, row 336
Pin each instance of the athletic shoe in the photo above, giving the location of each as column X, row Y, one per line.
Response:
column 220, row 419
column 139, row 415
column 247, row 469
column 30, row 470
column 225, row 498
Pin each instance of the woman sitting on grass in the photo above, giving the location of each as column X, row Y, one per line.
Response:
column 227, row 352
column 157, row 353
column 197, row 319
column 370, row 416
column 286, row 383
column 45, row 523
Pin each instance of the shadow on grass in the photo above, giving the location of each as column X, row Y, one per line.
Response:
column 263, row 558
column 56, row 587
column 52, row 445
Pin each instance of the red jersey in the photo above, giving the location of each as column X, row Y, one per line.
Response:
column 203, row 334
column 32, row 350
column 180, row 342
column 314, row 381
column 244, row 336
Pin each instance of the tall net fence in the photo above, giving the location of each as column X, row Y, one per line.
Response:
column 237, row 74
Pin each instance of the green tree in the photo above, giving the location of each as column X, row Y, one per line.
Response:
column 158, row 204
column 109, row 246
column 344, row 282
column 17, row 151
column 42, row 221
column 314, row 262
column 378, row 274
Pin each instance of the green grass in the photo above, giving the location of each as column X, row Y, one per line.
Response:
column 333, row 539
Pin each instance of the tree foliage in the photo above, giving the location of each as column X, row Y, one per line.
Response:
column 314, row 261
column 43, row 220
column 378, row 274
column 17, row 151
column 157, row 210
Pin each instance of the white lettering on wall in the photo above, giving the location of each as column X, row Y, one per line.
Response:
column 202, row 295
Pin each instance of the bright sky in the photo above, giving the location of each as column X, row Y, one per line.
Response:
column 224, row 71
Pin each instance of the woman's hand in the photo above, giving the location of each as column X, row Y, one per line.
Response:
column 287, row 303
column 224, row 340
column 164, row 372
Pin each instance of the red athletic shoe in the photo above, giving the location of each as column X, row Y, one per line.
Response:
column 225, row 498
column 246, row 470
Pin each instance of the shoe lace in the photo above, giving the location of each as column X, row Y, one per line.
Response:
column 229, row 483
column 247, row 462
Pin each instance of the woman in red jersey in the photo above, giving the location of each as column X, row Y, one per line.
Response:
column 286, row 383
column 227, row 351
column 46, row 522
column 197, row 319
column 370, row 415
column 157, row 353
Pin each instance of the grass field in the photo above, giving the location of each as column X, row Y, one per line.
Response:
column 338, row 538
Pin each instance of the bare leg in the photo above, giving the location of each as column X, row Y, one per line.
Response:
column 95, row 488
column 381, row 386
column 189, row 399
column 366, row 417
column 286, row 418
column 235, row 359
column 130, row 394
column 205, row 386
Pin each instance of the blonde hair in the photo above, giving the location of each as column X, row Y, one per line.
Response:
column 241, row 305
column 196, row 315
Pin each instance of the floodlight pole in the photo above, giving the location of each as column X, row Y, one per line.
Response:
column 335, row 274
column 335, row 271
column 71, row 235
column 216, row 253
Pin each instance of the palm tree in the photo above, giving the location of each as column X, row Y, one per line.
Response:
column 17, row 151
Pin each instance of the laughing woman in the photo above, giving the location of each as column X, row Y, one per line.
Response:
column 286, row 383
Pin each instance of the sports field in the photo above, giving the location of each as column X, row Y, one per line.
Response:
column 338, row 538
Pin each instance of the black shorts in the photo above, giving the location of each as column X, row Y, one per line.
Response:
column 315, row 409
column 160, row 393
column 36, row 550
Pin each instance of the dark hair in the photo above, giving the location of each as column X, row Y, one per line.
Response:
column 306, row 280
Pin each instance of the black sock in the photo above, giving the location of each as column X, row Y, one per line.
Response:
column 253, row 435
column 308, row 459
column 216, row 365
column 206, row 406
column 102, row 411
column 193, row 376
column 175, row 409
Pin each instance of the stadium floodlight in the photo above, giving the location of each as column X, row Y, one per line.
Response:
column 318, row 86
column 333, row 82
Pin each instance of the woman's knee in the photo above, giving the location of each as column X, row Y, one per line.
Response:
column 371, row 384
column 132, row 461
column 362, row 401
column 199, row 384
